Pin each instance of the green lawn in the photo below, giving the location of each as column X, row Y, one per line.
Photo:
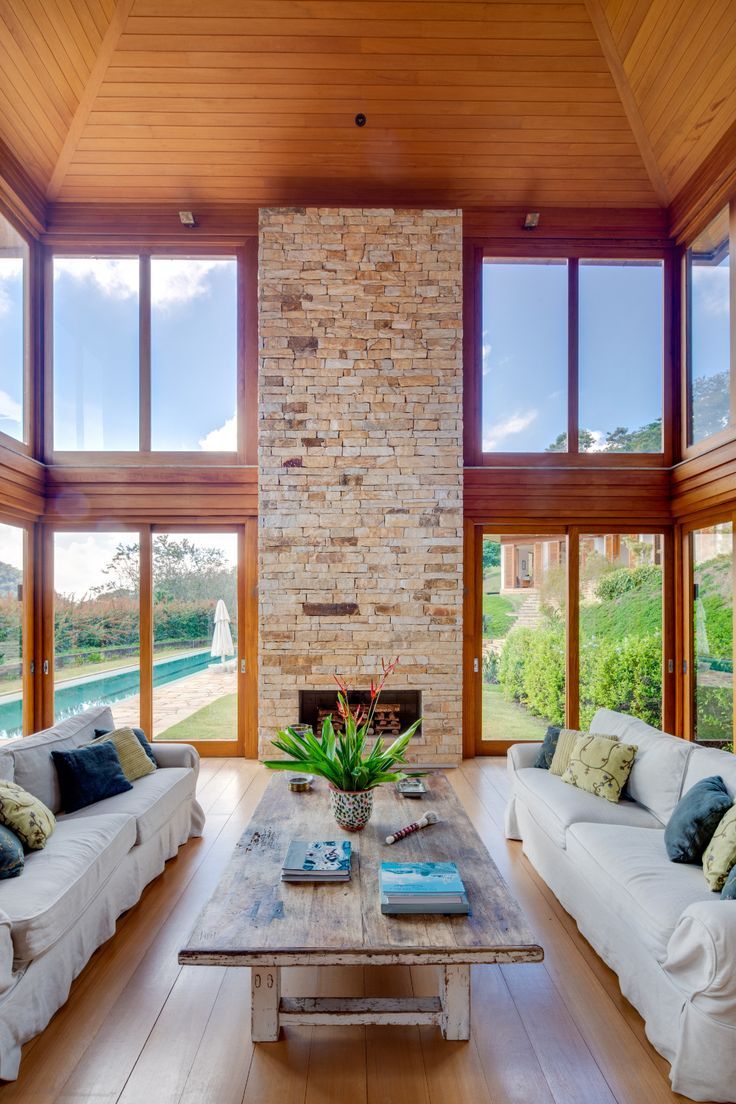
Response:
column 501, row 609
column 216, row 721
column 505, row 720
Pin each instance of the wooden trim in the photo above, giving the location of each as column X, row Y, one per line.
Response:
column 707, row 191
column 572, row 633
column 20, row 197
column 732, row 310
column 688, row 643
column 248, row 640
column 248, row 352
column 573, row 366
column 672, row 394
column 28, row 632
column 472, row 742
column 472, row 353
column 669, row 634
column 145, row 628
column 91, row 89
column 144, row 352
column 46, row 655
column 615, row 64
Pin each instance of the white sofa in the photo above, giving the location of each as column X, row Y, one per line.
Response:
column 56, row 913
column 671, row 941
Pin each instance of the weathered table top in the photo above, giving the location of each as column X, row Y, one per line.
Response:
column 255, row 919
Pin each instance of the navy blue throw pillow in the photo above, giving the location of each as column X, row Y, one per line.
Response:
column 141, row 740
column 547, row 750
column 695, row 819
column 89, row 774
column 728, row 893
column 11, row 854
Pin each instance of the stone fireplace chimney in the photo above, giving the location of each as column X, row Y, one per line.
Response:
column 360, row 459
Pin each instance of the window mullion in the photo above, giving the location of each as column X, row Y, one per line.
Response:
column 573, row 392
column 144, row 357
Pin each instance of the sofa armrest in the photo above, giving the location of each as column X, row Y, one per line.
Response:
column 701, row 953
column 522, row 755
column 176, row 755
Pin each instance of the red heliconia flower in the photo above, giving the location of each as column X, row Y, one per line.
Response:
column 373, row 689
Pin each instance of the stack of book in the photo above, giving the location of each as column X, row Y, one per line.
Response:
column 317, row 861
column 422, row 887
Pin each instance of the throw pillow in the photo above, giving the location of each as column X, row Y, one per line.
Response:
column 26, row 816
column 728, row 893
column 133, row 759
column 600, row 766
column 563, row 751
column 11, row 854
column 89, row 774
column 547, row 750
column 140, row 736
column 720, row 854
column 695, row 818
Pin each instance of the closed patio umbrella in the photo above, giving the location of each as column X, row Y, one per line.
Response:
column 222, row 639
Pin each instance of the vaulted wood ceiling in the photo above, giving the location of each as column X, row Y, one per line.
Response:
column 595, row 102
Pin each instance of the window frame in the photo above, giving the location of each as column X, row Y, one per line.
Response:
column 688, row 448
column 31, row 341
column 476, row 252
column 246, row 360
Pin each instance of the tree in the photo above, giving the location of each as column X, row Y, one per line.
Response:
column 710, row 404
column 182, row 570
column 491, row 554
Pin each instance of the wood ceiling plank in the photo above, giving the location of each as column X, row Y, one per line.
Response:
column 92, row 87
column 70, row 10
column 346, row 51
column 99, row 16
column 65, row 37
column 38, row 16
column 673, row 42
column 40, row 57
column 448, row 10
column 44, row 110
column 628, row 101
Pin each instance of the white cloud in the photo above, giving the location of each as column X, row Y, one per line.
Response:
column 116, row 277
column 10, row 408
column 222, row 439
column 710, row 289
column 599, row 441
column 500, row 431
column 11, row 269
column 174, row 280
column 11, row 545
column 79, row 559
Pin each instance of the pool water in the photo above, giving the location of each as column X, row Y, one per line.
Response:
column 104, row 689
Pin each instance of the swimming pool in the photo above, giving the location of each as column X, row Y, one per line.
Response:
column 104, row 689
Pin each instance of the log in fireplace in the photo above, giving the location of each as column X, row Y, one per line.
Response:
column 396, row 710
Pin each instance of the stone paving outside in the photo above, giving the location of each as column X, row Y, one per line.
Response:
column 177, row 700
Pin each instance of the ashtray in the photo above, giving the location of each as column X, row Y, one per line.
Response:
column 300, row 783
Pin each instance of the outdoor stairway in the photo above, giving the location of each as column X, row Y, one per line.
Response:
column 529, row 614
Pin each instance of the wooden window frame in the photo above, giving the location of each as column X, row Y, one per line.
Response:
column 29, row 446
column 690, row 449
column 246, row 743
column 473, row 743
column 30, row 621
column 246, row 383
column 572, row 251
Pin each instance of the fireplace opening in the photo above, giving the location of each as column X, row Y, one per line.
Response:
column 396, row 710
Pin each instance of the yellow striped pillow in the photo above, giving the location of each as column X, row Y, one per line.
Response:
column 565, row 744
column 133, row 759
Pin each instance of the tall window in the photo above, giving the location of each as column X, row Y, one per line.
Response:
column 13, row 330
column 11, row 631
column 145, row 354
column 712, row 620
column 709, row 331
column 523, row 662
column 572, row 346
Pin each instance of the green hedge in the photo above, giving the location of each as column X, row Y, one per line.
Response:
column 624, row 580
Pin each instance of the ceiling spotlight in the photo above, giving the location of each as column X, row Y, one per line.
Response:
column 531, row 220
column 360, row 119
column 186, row 218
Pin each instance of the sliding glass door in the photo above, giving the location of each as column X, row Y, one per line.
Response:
column 14, row 663
column 712, row 560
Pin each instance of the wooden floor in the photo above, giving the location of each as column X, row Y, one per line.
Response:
column 140, row 1029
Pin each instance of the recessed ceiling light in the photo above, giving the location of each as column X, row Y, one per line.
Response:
column 360, row 119
column 186, row 218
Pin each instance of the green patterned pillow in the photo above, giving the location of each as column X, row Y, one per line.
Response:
column 600, row 765
column 720, row 854
column 565, row 743
column 25, row 815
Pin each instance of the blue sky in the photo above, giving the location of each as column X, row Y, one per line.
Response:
column 193, row 353
column 525, row 351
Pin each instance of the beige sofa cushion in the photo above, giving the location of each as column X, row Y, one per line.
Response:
column 59, row 882
column 33, row 766
column 705, row 762
column 629, row 870
column 658, row 773
column 555, row 806
column 152, row 800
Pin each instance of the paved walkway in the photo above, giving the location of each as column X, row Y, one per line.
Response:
column 177, row 700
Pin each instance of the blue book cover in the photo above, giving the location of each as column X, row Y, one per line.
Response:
column 328, row 857
column 420, row 878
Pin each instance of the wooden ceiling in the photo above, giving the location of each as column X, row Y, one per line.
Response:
column 603, row 103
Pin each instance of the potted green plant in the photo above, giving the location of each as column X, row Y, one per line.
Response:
column 343, row 758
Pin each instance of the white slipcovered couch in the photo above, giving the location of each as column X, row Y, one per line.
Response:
column 671, row 940
column 56, row 913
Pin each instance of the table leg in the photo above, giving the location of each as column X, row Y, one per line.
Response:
column 265, row 995
column 455, row 997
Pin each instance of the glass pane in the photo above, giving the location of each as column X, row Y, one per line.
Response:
column 194, row 331
column 712, row 552
column 524, row 322
column 11, row 631
column 96, row 624
column 524, row 600
column 621, row 333
column 96, row 353
column 195, row 630
column 13, row 278
column 621, row 625
column 709, row 330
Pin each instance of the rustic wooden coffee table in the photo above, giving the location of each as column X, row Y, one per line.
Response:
column 255, row 920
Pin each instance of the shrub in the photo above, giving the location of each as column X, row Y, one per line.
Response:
column 490, row 668
column 626, row 579
column 625, row 675
column 512, row 662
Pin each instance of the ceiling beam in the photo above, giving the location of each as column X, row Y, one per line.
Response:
column 89, row 95
column 628, row 101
